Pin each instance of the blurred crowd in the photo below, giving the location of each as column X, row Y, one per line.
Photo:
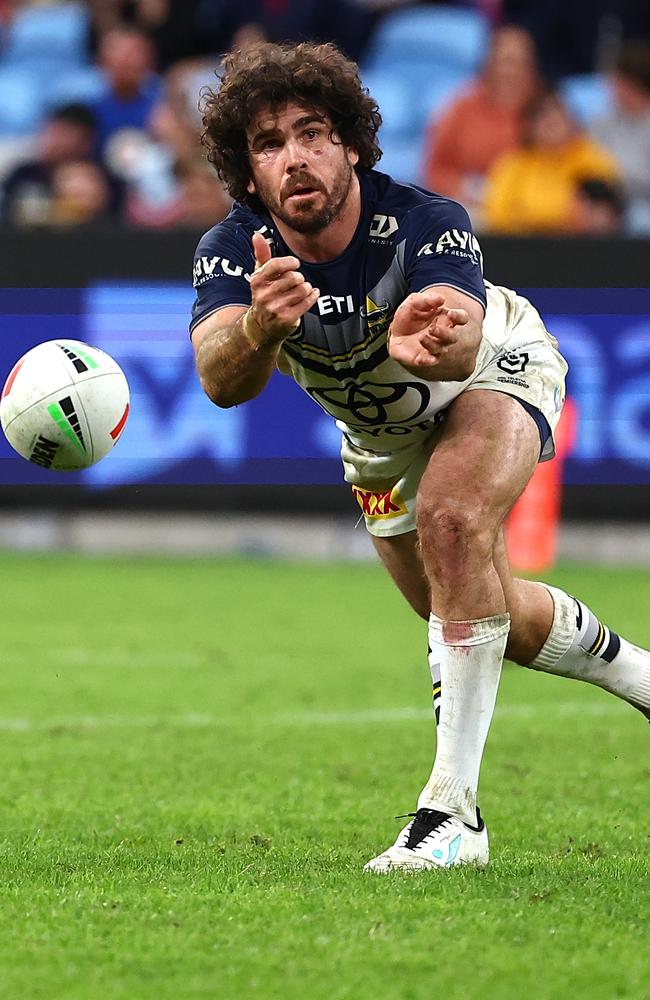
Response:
column 534, row 114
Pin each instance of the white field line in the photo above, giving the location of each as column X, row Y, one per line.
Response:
column 379, row 716
column 111, row 657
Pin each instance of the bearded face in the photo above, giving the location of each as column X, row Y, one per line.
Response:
column 301, row 172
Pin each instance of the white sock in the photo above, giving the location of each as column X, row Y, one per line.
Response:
column 470, row 655
column 434, row 667
column 580, row 646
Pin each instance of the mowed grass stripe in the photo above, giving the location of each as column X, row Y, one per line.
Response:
column 202, row 833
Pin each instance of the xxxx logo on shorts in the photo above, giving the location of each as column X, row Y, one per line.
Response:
column 389, row 504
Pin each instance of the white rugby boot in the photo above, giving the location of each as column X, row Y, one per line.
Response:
column 434, row 840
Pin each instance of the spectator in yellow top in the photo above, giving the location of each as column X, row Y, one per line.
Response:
column 533, row 189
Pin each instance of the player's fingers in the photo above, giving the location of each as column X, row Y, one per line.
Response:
column 411, row 319
column 420, row 310
column 273, row 268
column 405, row 346
column 419, row 358
column 432, row 344
column 301, row 295
column 426, row 300
column 261, row 249
column 458, row 317
column 443, row 334
column 426, row 360
column 308, row 302
column 284, row 282
column 291, row 312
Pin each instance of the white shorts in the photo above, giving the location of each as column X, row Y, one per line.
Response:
column 385, row 484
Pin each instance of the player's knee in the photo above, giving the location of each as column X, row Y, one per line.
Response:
column 452, row 530
column 446, row 520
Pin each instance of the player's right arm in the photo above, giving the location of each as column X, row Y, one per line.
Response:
column 236, row 348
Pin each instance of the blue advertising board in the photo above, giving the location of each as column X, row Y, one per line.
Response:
column 175, row 435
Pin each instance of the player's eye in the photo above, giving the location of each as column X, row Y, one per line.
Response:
column 266, row 147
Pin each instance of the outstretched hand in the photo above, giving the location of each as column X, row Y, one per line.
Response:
column 423, row 329
column 279, row 293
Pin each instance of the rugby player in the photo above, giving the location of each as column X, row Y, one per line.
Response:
column 446, row 389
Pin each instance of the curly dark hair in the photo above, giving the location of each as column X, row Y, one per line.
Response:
column 272, row 75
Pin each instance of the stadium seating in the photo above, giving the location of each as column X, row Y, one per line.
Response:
column 416, row 61
column 83, row 84
column 587, row 95
column 21, row 105
column 56, row 33
column 400, row 159
column 392, row 96
column 424, row 41
column 404, row 116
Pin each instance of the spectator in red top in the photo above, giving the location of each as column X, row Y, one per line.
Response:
column 483, row 122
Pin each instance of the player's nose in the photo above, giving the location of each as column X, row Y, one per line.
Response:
column 294, row 154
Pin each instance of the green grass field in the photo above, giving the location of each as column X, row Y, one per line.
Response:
column 197, row 757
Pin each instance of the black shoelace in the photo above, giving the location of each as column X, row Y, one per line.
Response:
column 425, row 821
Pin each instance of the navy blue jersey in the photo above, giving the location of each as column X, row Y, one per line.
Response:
column 407, row 239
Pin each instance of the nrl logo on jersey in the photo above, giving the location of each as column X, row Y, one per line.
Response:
column 457, row 243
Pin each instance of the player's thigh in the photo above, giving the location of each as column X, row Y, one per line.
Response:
column 486, row 454
column 400, row 555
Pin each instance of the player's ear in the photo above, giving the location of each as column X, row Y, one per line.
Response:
column 353, row 156
column 250, row 187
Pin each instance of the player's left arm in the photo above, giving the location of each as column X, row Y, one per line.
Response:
column 436, row 334
column 436, row 331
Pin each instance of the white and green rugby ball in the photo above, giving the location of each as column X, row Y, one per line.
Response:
column 64, row 405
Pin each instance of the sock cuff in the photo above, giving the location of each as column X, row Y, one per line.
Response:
column 475, row 632
column 451, row 795
column 562, row 632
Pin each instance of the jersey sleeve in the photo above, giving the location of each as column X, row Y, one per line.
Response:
column 223, row 264
column 441, row 249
